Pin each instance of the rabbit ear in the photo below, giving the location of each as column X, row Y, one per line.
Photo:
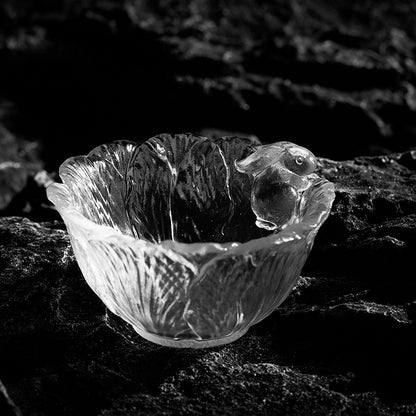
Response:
column 259, row 160
column 251, row 163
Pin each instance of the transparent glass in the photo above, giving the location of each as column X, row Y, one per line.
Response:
column 175, row 237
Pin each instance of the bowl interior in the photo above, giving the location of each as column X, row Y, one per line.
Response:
column 184, row 188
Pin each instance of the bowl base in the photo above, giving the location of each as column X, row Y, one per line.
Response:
column 191, row 343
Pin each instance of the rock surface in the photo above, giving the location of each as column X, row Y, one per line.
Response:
column 18, row 162
column 343, row 342
column 320, row 73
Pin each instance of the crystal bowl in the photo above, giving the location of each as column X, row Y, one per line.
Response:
column 165, row 234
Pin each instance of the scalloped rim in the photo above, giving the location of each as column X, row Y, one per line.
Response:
column 59, row 195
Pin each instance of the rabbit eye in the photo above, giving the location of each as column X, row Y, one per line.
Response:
column 299, row 160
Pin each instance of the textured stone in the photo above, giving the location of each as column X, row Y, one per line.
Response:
column 371, row 229
column 18, row 161
column 342, row 343
column 317, row 73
